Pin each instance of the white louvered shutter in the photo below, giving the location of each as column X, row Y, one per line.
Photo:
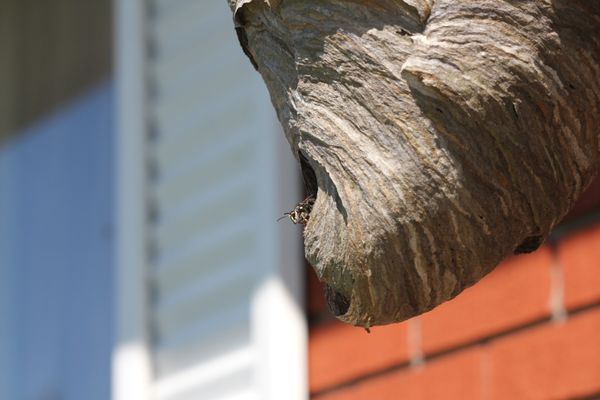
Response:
column 222, row 279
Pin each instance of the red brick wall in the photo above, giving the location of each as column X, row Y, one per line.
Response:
column 529, row 330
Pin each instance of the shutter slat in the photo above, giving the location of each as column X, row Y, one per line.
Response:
column 198, row 342
column 172, row 216
column 199, row 248
column 183, row 384
column 208, row 213
column 196, row 300
column 199, row 128
column 173, row 85
column 227, row 160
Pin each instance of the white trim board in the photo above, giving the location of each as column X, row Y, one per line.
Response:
column 131, row 360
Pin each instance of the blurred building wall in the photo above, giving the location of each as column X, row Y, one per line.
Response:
column 144, row 200
column 56, row 191
column 529, row 330
column 56, row 254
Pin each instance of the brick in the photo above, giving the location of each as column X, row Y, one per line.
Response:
column 579, row 256
column 340, row 352
column 548, row 362
column 457, row 376
column 515, row 293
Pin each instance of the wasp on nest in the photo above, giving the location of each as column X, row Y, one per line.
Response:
column 301, row 213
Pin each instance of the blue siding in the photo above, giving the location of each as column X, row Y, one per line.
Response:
column 56, row 254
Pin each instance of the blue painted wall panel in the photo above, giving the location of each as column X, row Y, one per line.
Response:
column 56, row 254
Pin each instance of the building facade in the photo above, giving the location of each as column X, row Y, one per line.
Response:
column 141, row 256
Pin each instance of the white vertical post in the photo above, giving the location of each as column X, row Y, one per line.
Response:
column 131, row 360
column 280, row 326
